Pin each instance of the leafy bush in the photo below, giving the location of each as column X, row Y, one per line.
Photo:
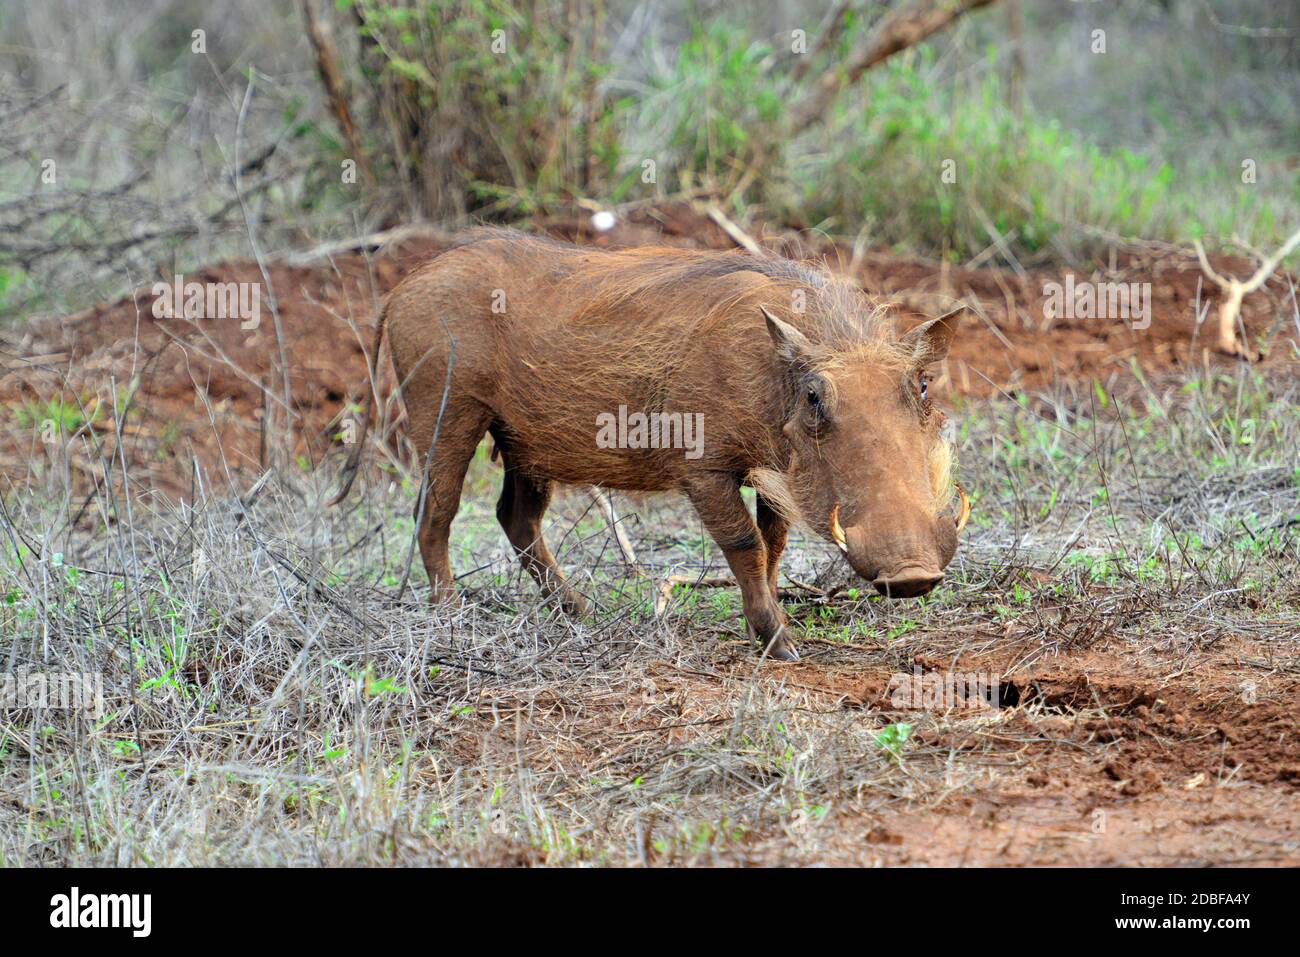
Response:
column 480, row 103
column 1026, row 180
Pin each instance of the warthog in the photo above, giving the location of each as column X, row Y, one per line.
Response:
column 807, row 395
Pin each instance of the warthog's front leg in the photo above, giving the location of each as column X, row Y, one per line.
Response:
column 773, row 526
column 716, row 497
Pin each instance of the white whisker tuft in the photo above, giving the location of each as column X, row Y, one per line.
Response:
column 941, row 467
column 775, row 489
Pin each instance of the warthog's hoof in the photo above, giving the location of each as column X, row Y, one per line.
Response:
column 782, row 649
column 573, row 604
column 771, row 622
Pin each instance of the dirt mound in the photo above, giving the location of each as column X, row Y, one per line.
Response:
column 1100, row 758
column 210, row 392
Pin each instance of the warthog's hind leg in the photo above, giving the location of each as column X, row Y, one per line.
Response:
column 463, row 426
column 716, row 497
column 520, row 509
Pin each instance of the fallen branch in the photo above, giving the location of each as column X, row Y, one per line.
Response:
column 369, row 241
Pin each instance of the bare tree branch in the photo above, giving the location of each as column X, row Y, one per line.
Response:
column 903, row 28
column 1234, row 291
column 332, row 80
column 829, row 32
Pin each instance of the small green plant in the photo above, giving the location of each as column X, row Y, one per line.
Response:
column 63, row 415
column 892, row 737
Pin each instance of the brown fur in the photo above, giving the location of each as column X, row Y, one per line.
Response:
column 577, row 332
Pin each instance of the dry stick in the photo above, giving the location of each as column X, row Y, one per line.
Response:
column 1295, row 307
column 859, row 258
column 737, row 235
column 1235, row 290
column 216, row 357
column 998, row 240
column 263, row 437
column 378, row 239
column 261, row 260
column 605, row 501
column 1243, row 31
column 666, row 589
column 976, row 308
column 135, row 561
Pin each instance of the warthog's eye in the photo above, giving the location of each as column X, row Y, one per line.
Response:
column 814, row 397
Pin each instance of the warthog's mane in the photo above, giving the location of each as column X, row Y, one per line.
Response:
column 840, row 321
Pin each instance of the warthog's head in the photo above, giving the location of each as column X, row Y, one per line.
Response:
column 870, row 470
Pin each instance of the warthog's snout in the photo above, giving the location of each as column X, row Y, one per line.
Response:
column 907, row 583
column 899, row 563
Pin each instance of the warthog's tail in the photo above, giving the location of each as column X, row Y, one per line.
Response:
column 353, row 464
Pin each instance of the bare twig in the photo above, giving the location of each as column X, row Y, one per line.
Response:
column 605, row 502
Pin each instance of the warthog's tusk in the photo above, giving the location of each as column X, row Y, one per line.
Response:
column 837, row 533
column 963, row 514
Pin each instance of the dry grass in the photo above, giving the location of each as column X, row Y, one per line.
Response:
column 268, row 702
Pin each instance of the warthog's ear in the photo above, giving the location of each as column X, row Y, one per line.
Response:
column 929, row 341
column 791, row 344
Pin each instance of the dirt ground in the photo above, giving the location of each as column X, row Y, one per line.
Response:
column 1106, row 758
column 1167, row 766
